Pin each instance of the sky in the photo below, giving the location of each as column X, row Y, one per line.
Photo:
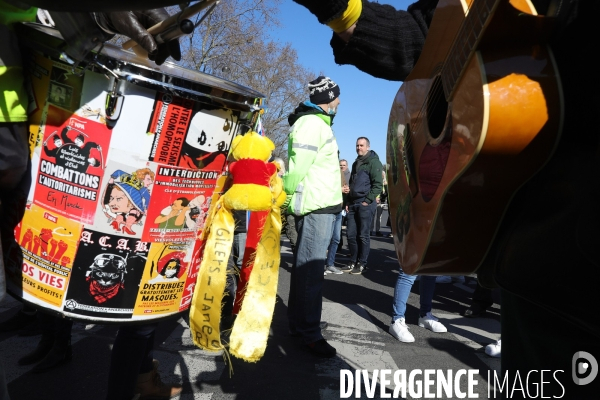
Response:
column 365, row 101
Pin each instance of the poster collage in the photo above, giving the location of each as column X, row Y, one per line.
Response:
column 115, row 208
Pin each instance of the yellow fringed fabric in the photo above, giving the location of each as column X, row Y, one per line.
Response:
column 250, row 332
column 348, row 18
column 205, row 311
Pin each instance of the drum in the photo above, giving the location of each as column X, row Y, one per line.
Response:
column 126, row 158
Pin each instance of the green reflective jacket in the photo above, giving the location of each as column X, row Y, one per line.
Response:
column 313, row 179
column 13, row 98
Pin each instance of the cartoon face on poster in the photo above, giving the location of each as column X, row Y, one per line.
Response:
column 163, row 283
column 106, row 275
column 71, row 166
column 48, row 243
column 209, row 138
column 179, row 203
column 187, row 135
column 125, row 197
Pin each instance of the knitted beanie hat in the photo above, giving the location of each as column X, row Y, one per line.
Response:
column 323, row 90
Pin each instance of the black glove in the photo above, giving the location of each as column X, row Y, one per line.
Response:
column 325, row 10
column 134, row 24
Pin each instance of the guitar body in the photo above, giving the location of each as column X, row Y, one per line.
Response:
column 459, row 148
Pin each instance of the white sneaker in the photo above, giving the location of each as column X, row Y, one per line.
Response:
column 443, row 279
column 430, row 322
column 493, row 349
column 399, row 330
column 330, row 269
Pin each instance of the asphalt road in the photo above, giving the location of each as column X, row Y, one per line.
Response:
column 357, row 309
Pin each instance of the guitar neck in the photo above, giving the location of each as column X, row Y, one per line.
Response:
column 465, row 43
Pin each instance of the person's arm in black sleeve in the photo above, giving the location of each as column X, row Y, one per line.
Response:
column 384, row 42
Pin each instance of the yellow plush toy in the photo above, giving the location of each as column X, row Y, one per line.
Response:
column 255, row 187
column 252, row 174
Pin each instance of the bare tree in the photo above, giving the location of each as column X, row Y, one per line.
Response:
column 232, row 25
column 232, row 42
column 273, row 70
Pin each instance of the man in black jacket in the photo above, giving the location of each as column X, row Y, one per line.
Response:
column 365, row 185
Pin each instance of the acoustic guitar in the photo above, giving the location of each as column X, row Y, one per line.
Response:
column 478, row 116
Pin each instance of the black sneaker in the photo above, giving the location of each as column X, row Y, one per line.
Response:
column 321, row 348
column 358, row 269
column 347, row 268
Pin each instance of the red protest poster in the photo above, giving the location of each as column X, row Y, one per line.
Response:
column 179, row 203
column 169, row 124
column 190, row 136
column 72, row 163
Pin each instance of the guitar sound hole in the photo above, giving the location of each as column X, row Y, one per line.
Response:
column 437, row 108
column 432, row 163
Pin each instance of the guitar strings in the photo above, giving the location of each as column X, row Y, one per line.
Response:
column 463, row 36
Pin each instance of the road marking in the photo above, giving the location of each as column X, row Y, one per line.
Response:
column 350, row 316
column 349, row 323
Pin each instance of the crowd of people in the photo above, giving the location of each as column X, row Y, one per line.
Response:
column 360, row 200
column 548, row 227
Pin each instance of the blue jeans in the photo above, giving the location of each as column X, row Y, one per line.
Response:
column 131, row 355
column 335, row 239
column 402, row 291
column 306, row 286
column 359, row 226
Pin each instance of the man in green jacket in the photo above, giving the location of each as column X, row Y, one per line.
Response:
column 312, row 184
